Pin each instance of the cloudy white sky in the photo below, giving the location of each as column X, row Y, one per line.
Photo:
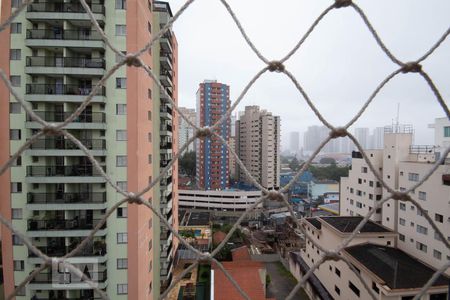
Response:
column 339, row 65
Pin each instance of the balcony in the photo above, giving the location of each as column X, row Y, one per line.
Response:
column 67, row 278
column 164, row 98
column 166, row 42
column 166, row 181
column 166, row 60
column 65, row 65
column 166, row 269
column 57, row 225
column 165, row 129
column 165, row 147
column 64, row 174
column 166, row 78
column 86, row 120
column 69, row 201
column 48, row 92
column 58, row 37
column 61, row 251
column 164, row 162
column 165, row 111
column 73, row 11
column 58, row 146
column 165, row 251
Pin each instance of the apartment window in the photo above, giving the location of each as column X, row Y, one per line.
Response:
column 20, row 292
column 15, row 54
column 17, row 162
column 122, row 238
column 149, row 94
column 401, row 237
column 149, row 115
column 16, row 213
column 149, row 27
column 16, row 187
column 437, row 237
column 371, row 183
column 421, row 229
column 16, row 28
column 121, row 30
column 422, row 196
column 413, row 177
column 447, row 131
column 363, row 169
column 122, row 263
column 421, row 247
column 149, row 158
column 359, row 180
column 375, row 288
column 122, row 185
column 15, row 134
column 122, row 289
column 437, row 254
column 122, row 212
column 358, row 204
column 402, row 206
column 121, row 135
column 150, row 137
column 439, row 218
column 378, row 197
column 401, row 221
column 353, row 288
column 19, row 265
column 16, row 3
column 150, row 288
column 337, row 290
column 121, row 109
column 16, row 241
column 121, row 161
column 15, row 108
column 150, row 266
column 121, row 83
column 121, row 4
column 150, row 245
column 15, row 80
column 337, row 271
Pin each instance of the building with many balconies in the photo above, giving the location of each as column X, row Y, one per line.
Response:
column 55, row 58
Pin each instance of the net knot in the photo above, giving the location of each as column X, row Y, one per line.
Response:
column 342, row 3
column 400, row 196
column 132, row 61
column 338, row 132
column 204, row 132
column 133, row 199
column 275, row 196
column 276, row 66
column 50, row 129
column 411, row 67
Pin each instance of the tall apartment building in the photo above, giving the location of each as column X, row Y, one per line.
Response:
column 54, row 57
column 401, row 165
column 258, row 143
column 212, row 169
column 363, row 137
column 294, row 142
column 186, row 131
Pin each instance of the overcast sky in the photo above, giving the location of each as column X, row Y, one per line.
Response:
column 339, row 65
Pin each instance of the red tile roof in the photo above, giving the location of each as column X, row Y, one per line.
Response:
column 218, row 237
column 241, row 254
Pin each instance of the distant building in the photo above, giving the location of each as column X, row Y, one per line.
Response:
column 362, row 135
column 294, row 142
column 213, row 101
column 319, row 188
column 377, row 138
column 313, row 136
column 258, row 144
column 441, row 133
column 232, row 158
column 186, row 131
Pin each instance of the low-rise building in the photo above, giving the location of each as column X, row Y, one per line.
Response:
column 225, row 200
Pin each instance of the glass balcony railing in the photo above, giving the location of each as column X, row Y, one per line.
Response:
column 65, row 62
column 61, row 34
column 59, row 251
column 65, row 144
column 62, row 7
column 61, row 89
column 68, row 278
column 64, row 198
column 55, row 224
column 56, row 116
column 63, row 171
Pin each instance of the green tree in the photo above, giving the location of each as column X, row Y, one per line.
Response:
column 294, row 164
column 187, row 163
column 327, row 160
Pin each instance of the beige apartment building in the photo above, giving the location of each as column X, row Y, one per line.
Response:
column 186, row 131
column 389, row 272
column 258, row 146
column 402, row 165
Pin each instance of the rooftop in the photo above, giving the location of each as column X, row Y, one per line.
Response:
column 314, row 222
column 348, row 224
column 198, row 219
column 397, row 269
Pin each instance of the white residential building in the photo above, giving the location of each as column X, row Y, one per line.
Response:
column 186, row 131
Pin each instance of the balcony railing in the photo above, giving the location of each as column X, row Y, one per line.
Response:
column 166, row 250
column 166, row 199
column 61, row 251
column 55, row 224
column 422, row 149
column 84, row 117
column 167, row 146
column 166, row 54
column 165, row 109
column 166, row 128
column 61, row 34
column 65, row 62
column 61, row 89
column 166, row 181
column 62, row 7
column 164, row 162
column 67, row 278
column 164, row 235
column 165, row 267
column 63, row 171
column 64, row 144
column 64, row 198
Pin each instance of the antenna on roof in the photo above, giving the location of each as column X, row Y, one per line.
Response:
column 397, row 125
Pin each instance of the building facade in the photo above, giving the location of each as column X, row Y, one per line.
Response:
column 54, row 56
column 294, row 142
column 226, row 200
column 258, row 143
column 186, row 131
column 212, row 170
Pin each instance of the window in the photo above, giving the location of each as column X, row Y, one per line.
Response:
column 16, row 241
column 122, row 263
column 337, row 271
column 437, row 237
column 16, row 3
column 121, row 161
column 19, row 265
column 122, row 212
column 353, row 288
column 358, row 204
column 149, row 158
column 363, row 169
column 17, row 162
column 15, row 80
column 15, row 134
column 439, row 218
column 21, row 292
column 121, row 135
column 149, row 94
column 422, row 195
column 437, row 254
column 15, row 54
column 121, row 109
column 446, row 131
column 375, row 288
column 150, row 137
column 121, row 30
column 413, row 177
column 401, row 237
column 15, row 108
column 402, row 206
column 149, row 27
column 16, row 213
column 337, row 290
column 401, row 221
column 16, row 187
column 421, row 247
column 149, row 115
column 122, row 238
column 16, row 28
column 122, row 289
column 121, row 83
column 359, row 180
column 123, row 185
column 150, row 245
column 421, row 229
column 121, row 4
